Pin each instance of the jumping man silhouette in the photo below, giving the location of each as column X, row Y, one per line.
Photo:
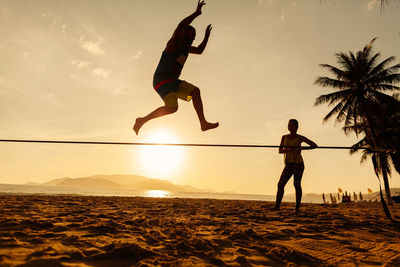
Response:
column 166, row 77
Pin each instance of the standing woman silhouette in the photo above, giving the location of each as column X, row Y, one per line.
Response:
column 294, row 165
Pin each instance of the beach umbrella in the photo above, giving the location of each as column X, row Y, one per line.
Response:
column 331, row 197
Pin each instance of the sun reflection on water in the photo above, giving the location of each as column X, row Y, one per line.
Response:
column 156, row 193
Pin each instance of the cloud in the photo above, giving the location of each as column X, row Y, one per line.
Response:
column 93, row 48
column 117, row 91
column 25, row 54
column 82, row 64
column 73, row 76
column 372, row 4
column 53, row 100
column 101, row 72
column 41, row 67
column 260, row 2
column 137, row 55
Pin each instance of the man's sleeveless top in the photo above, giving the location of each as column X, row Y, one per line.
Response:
column 293, row 157
column 169, row 69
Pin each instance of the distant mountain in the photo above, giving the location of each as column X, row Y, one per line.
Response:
column 56, row 181
column 122, row 179
column 89, row 183
column 119, row 181
column 32, row 183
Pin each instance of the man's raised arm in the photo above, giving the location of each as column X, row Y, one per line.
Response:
column 203, row 44
column 186, row 21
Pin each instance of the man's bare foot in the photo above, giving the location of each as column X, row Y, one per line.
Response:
column 209, row 126
column 138, row 124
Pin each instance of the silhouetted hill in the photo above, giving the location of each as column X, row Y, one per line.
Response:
column 56, row 181
column 89, row 183
column 119, row 181
column 122, row 179
column 32, row 183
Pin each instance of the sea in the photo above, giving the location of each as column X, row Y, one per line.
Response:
column 57, row 190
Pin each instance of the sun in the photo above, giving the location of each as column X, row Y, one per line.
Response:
column 161, row 161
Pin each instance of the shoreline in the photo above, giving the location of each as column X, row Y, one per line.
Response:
column 21, row 189
column 101, row 231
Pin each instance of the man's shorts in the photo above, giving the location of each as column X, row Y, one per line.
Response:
column 184, row 89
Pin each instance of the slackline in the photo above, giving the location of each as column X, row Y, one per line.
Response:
column 387, row 212
column 169, row 144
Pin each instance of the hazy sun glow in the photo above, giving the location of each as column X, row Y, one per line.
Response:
column 161, row 161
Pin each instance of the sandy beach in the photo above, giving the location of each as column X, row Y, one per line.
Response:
column 133, row 231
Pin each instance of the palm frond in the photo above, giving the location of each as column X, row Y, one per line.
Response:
column 329, row 82
column 383, row 3
column 356, row 128
column 353, row 59
column 388, row 101
column 352, row 115
column 384, row 87
column 368, row 48
column 364, row 156
column 384, row 165
column 334, row 111
column 343, row 114
column 390, row 78
column 332, row 98
column 345, row 61
column 355, row 148
column 382, row 66
column 372, row 61
column 336, row 71
column 395, row 157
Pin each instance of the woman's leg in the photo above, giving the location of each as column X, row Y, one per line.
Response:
column 285, row 176
column 298, row 174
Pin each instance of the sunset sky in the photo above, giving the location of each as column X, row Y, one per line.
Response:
column 82, row 70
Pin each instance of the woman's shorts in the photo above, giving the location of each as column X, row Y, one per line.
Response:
column 295, row 169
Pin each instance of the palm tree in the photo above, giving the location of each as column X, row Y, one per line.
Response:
column 385, row 2
column 387, row 134
column 395, row 129
column 360, row 85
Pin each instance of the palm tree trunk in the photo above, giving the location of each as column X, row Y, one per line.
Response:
column 386, row 183
column 373, row 139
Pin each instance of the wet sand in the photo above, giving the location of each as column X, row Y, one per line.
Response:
column 132, row 231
